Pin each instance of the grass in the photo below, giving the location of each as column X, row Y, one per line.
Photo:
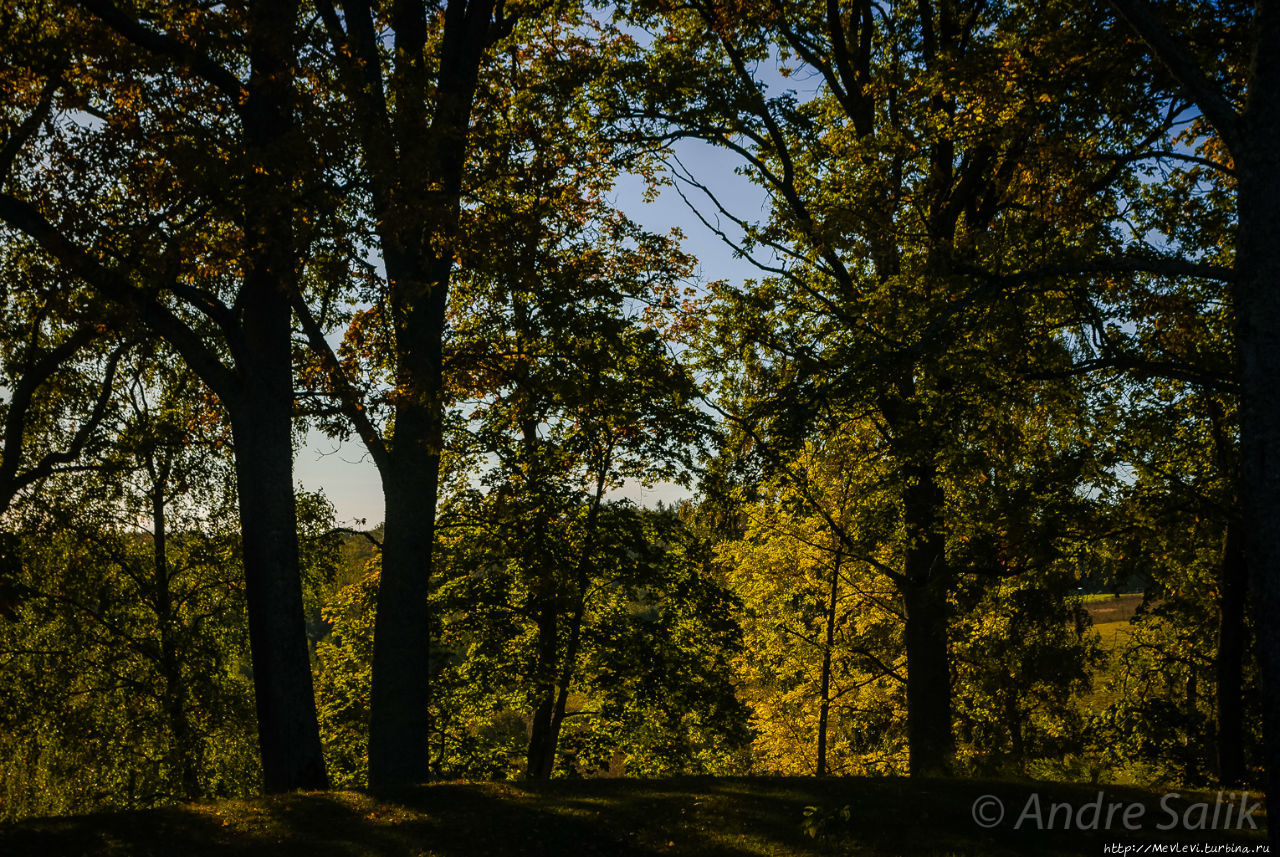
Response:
column 723, row 817
column 1111, row 615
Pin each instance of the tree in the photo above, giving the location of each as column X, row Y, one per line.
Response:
column 113, row 169
column 413, row 129
column 557, row 350
column 909, row 191
column 127, row 642
column 1226, row 68
column 822, row 625
column 1177, row 530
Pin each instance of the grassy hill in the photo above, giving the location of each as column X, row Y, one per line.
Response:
column 727, row 817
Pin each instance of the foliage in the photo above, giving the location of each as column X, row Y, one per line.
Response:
column 651, row 692
column 127, row 647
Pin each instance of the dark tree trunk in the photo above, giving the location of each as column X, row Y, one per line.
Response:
column 262, row 414
column 542, row 732
column 540, row 755
column 924, row 583
column 924, row 592
column 1229, row 665
column 1257, row 295
column 1257, row 298
column 1251, row 139
column 288, row 733
column 258, row 392
column 824, row 706
column 928, row 679
column 182, row 753
column 569, row 664
column 399, row 714
column 417, row 185
column 567, row 675
column 399, row 724
column 548, row 747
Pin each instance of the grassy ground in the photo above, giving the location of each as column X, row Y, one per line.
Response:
column 725, row 817
column 1110, row 615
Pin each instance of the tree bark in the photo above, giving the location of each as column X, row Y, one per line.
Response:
column 924, row 591
column 258, row 391
column 542, row 732
column 924, row 584
column 288, row 732
column 399, row 714
column 262, row 414
column 399, row 720
column 582, row 581
column 1257, row 297
column 416, row 173
column 928, row 680
column 1250, row 137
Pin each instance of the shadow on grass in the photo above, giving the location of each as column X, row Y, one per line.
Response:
column 630, row 818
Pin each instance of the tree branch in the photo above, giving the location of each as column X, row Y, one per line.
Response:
column 348, row 396
column 198, row 62
column 115, row 287
column 1175, row 57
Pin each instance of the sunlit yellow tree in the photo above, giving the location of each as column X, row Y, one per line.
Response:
column 822, row 666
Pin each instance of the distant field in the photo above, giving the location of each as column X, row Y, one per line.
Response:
column 1111, row 615
column 756, row 817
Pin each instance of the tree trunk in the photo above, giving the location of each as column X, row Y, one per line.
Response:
column 542, row 732
column 262, row 414
column 399, row 721
column 415, row 172
column 582, row 581
column 824, row 706
column 1257, row 297
column 924, row 592
column 399, row 715
column 928, row 680
column 540, row 755
column 1230, row 660
column 288, row 733
column 181, row 753
column 569, row 665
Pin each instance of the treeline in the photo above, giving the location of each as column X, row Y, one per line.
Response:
column 1011, row 340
